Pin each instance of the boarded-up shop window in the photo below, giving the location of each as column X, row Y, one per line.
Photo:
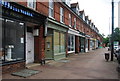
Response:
column 62, row 42
column 59, row 42
column 56, row 42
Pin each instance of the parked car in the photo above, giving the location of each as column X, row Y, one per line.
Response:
column 118, row 58
column 117, row 53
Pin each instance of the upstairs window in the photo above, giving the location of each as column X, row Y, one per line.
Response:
column 70, row 20
column 61, row 15
column 31, row 4
column 51, row 8
column 75, row 23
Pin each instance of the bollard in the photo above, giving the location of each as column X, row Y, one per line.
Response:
column 106, row 56
column 42, row 62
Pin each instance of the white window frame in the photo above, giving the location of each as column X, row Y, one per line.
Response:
column 70, row 20
column 61, row 15
column 32, row 3
column 51, row 8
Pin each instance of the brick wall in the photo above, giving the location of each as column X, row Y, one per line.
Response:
column 77, row 44
column 13, row 67
column 43, row 8
column 42, row 43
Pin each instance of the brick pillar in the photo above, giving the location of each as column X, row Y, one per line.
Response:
column 42, row 43
column 77, row 44
column 39, row 45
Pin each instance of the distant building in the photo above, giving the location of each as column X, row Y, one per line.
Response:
column 119, row 14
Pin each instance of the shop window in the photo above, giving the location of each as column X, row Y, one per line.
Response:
column 13, row 41
column 62, row 42
column 56, row 42
column 91, row 44
column 1, row 40
column 71, row 43
column 86, row 43
column 51, row 8
column 31, row 4
column 82, row 44
column 59, row 42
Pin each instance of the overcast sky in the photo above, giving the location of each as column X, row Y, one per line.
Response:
column 99, row 11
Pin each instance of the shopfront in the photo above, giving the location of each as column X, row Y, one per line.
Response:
column 13, row 46
column 55, row 46
column 18, row 32
column 82, row 44
column 73, row 41
column 87, row 43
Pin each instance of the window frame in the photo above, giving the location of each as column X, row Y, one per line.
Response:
column 71, row 46
column 70, row 20
column 61, row 15
column 51, row 8
column 75, row 22
column 33, row 2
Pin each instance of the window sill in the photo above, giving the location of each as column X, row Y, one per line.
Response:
column 51, row 17
column 11, row 62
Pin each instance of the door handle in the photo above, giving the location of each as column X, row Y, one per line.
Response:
column 29, row 51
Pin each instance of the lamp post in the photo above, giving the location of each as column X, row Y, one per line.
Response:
column 112, row 39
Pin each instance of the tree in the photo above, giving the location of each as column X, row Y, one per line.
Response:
column 106, row 40
column 116, row 34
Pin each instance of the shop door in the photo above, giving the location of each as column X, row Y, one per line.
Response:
column 30, row 48
column 48, row 48
column 82, row 45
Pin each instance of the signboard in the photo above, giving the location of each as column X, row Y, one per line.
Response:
column 15, row 8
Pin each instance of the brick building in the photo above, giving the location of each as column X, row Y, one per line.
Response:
column 46, row 30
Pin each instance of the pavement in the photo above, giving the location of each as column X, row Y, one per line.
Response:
column 91, row 65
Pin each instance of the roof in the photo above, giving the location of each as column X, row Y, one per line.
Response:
column 81, row 12
column 86, row 17
column 74, row 4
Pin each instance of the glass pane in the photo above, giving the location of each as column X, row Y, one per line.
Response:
column 62, row 42
column 68, row 42
column 56, row 42
column 14, row 40
column 72, row 43
column 1, row 35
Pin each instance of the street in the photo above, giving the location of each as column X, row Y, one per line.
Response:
column 91, row 65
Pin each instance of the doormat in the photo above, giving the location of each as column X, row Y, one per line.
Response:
column 25, row 73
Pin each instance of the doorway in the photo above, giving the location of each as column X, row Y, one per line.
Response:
column 29, row 45
column 49, row 47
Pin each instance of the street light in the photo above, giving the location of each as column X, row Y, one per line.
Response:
column 112, row 39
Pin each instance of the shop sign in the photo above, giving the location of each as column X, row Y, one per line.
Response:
column 15, row 8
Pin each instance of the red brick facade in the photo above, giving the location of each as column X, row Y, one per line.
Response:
column 43, row 8
column 39, row 45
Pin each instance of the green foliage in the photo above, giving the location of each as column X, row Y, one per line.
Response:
column 106, row 40
column 116, row 34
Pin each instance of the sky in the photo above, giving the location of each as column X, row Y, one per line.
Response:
column 99, row 11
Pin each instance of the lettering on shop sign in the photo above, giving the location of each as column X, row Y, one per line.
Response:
column 15, row 8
